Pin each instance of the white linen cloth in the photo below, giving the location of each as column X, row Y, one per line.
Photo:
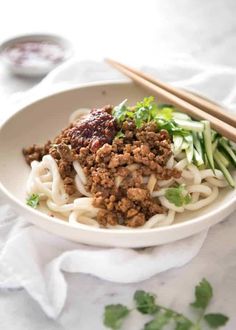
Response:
column 35, row 260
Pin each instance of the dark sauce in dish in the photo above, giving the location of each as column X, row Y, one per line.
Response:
column 35, row 53
column 98, row 128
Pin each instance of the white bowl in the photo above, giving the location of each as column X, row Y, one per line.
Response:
column 41, row 121
column 35, row 70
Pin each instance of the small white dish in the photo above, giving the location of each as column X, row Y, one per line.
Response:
column 35, row 54
column 42, row 120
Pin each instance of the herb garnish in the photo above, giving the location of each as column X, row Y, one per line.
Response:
column 145, row 302
column 121, row 112
column 147, row 110
column 170, row 126
column 178, row 196
column 33, row 200
column 119, row 135
column 114, row 315
column 144, row 111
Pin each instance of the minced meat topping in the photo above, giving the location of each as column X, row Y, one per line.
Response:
column 117, row 169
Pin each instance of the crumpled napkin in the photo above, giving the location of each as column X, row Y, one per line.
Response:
column 35, row 260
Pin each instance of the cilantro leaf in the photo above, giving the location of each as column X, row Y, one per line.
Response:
column 114, row 316
column 145, row 302
column 119, row 135
column 119, row 112
column 147, row 110
column 141, row 116
column 203, row 294
column 147, row 102
column 165, row 113
column 216, row 320
column 159, row 321
column 33, row 200
column 178, row 196
column 182, row 323
column 144, row 111
column 170, row 126
column 187, row 199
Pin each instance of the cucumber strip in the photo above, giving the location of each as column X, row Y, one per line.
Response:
column 222, row 158
column 189, row 154
column 198, row 150
column 227, row 156
column 225, row 171
column 184, row 145
column 206, row 162
column 215, row 144
column 197, row 144
column 178, row 140
column 197, row 157
column 180, row 115
column 214, row 135
column 200, row 135
column 224, row 144
column 190, row 125
column 208, row 144
column 189, row 150
column 232, row 146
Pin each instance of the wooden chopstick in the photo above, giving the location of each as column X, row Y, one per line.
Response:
column 220, row 126
column 197, row 101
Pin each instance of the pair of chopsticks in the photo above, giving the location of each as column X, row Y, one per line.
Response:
column 193, row 105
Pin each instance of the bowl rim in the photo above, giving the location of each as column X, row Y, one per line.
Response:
column 120, row 232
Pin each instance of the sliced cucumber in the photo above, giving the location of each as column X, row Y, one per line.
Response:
column 214, row 135
column 200, row 135
column 184, row 145
column 180, row 115
column 190, row 125
column 227, row 156
column 197, row 144
column 208, row 144
column 225, row 171
column 225, row 145
column 214, row 145
column 189, row 150
column 178, row 140
column 222, row 158
column 197, row 158
column 232, row 146
column 206, row 162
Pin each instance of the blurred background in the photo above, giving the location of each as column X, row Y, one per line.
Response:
column 134, row 31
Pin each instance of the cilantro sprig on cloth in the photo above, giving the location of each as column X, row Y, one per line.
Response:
column 145, row 303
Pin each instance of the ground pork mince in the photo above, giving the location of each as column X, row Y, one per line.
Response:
column 116, row 168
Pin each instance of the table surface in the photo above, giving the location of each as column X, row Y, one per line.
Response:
column 136, row 33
